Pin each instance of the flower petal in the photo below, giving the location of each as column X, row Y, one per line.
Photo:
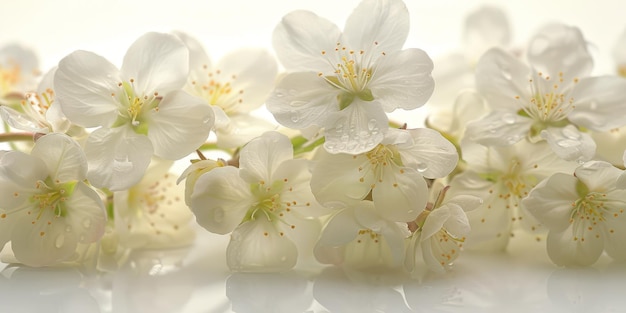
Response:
column 180, row 126
column 401, row 195
column 19, row 174
column 253, row 72
column 221, row 199
column 558, row 48
column 550, row 201
column 432, row 155
column 198, row 58
column 302, row 99
column 434, row 222
column 598, row 101
column 569, row 143
column 117, row 158
column 356, row 129
column 257, row 246
column 42, row 243
column 63, row 156
column 261, row 157
column 336, row 178
column 500, row 128
column 377, row 25
column 403, row 79
column 156, row 62
column 457, row 223
column 87, row 215
column 83, row 84
column 598, row 175
column 563, row 250
column 615, row 232
column 21, row 121
column 241, row 129
column 500, row 77
column 300, row 39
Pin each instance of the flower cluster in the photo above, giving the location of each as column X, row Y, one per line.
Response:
column 522, row 149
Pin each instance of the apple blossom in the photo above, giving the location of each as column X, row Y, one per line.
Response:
column 46, row 208
column 502, row 177
column 239, row 83
column 393, row 172
column 265, row 203
column 345, row 81
column 553, row 99
column 584, row 213
column 140, row 110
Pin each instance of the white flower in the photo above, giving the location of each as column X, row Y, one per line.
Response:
column 19, row 68
column 39, row 112
column 501, row 177
column 584, row 214
column 484, row 28
column 239, row 83
column 153, row 214
column 553, row 99
column 357, row 237
column 46, row 207
column 140, row 109
column 440, row 232
column 345, row 82
column 393, row 172
column 263, row 203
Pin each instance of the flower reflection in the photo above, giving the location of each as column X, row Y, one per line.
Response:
column 25, row 289
column 340, row 290
column 267, row 292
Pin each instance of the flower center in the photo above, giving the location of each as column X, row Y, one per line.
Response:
column 52, row 197
column 133, row 107
column 549, row 105
column 9, row 77
column 268, row 201
column 353, row 70
column 218, row 90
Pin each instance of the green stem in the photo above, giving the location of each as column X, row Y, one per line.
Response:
column 213, row 146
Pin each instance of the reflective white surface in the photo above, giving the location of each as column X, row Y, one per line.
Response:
column 197, row 280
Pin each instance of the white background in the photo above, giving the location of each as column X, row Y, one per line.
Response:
column 521, row 280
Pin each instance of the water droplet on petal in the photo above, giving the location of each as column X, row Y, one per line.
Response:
column 295, row 116
column 298, row 103
column 68, row 228
column 570, row 132
column 512, row 139
column 279, row 94
column 422, row 167
column 567, row 143
column 122, row 164
column 371, row 125
column 218, row 215
column 86, row 223
column 509, row 118
column 60, row 241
